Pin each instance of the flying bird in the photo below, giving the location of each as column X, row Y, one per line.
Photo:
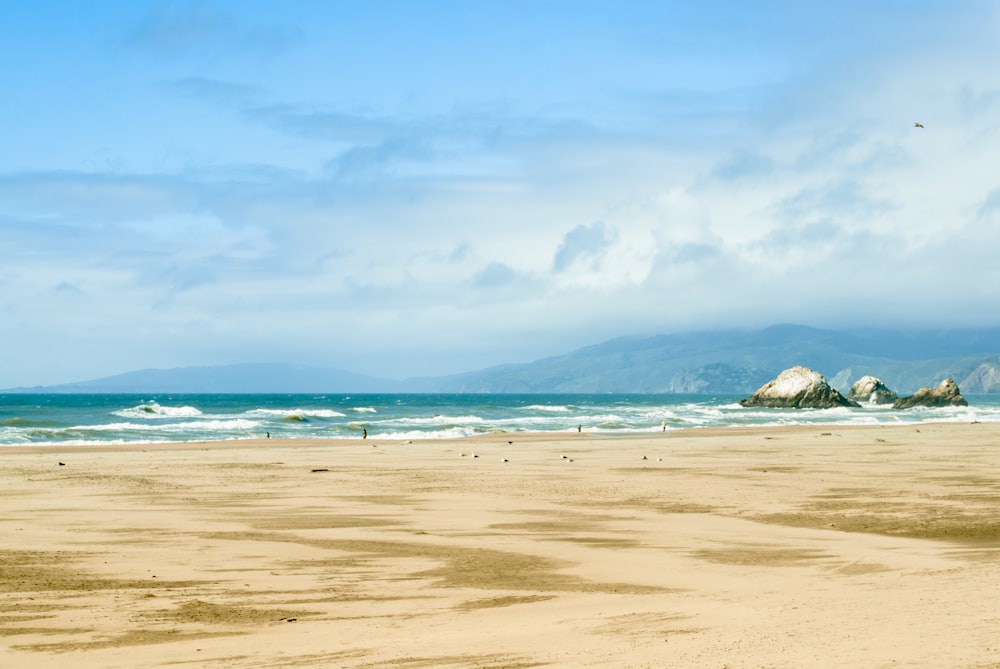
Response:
column 918, row 125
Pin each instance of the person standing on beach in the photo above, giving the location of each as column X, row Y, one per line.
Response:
column 364, row 433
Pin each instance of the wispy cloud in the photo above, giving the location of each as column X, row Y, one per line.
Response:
column 584, row 244
column 178, row 28
column 214, row 91
column 421, row 191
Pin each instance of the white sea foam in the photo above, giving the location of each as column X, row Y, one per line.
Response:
column 214, row 425
column 324, row 413
column 202, row 425
column 296, row 414
column 448, row 433
column 438, row 420
column 96, row 442
column 430, row 417
column 154, row 410
column 605, row 429
column 118, row 442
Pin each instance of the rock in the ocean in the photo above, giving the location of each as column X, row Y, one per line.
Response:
column 871, row 390
column 946, row 394
column 800, row 388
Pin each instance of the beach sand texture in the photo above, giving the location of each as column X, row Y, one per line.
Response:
column 794, row 547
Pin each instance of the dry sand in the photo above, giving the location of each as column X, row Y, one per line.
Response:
column 799, row 547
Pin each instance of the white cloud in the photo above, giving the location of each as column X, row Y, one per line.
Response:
column 269, row 202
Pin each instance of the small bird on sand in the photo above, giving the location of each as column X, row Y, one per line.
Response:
column 918, row 125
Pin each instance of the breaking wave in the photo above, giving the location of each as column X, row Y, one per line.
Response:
column 101, row 419
column 154, row 410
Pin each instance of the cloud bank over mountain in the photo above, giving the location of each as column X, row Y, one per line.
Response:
column 423, row 189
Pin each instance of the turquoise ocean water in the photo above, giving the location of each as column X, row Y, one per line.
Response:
column 62, row 419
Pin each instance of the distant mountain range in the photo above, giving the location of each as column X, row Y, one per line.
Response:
column 255, row 378
column 740, row 361
column 714, row 362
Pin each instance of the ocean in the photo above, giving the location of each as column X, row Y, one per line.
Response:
column 92, row 419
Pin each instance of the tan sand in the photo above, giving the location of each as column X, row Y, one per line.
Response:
column 799, row 547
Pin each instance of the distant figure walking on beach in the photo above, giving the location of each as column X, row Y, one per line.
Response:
column 268, row 435
column 364, row 433
column 664, row 425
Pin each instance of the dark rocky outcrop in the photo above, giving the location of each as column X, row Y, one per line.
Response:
column 946, row 394
column 799, row 388
column 871, row 390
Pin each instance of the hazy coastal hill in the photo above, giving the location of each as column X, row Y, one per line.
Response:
column 274, row 378
column 739, row 361
column 716, row 362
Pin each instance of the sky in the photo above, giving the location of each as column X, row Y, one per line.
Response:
column 404, row 189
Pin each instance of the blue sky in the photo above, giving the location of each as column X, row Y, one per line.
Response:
column 420, row 188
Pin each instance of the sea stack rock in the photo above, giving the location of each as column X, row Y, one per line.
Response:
column 799, row 388
column 946, row 394
column 871, row 390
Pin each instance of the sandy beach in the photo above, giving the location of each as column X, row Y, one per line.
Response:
column 796, row 547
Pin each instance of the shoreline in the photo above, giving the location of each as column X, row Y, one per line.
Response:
column 539, row 436
column 116, row 422
column 835, row 546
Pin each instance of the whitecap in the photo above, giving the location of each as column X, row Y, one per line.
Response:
column 294, row 414
column 112, row 427
column 154, row 410
column 324, row 413
column 218, row 425
column 438, row 420
column 207, row 425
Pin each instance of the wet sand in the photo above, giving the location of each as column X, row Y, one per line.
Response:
column 799, row 547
